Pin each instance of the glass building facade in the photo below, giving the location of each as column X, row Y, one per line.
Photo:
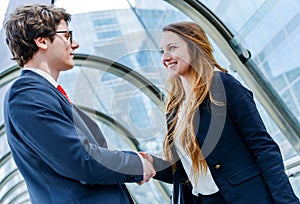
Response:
column 119, row 79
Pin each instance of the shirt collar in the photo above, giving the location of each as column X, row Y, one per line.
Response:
column 43, row 74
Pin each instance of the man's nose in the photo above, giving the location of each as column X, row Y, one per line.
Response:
column 75, row 44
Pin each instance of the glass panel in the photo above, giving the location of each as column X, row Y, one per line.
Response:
column 295, row 181
column 122, row 101
column 269, row 29
column 5, row 170
column 127, row 36
column 3, row 146
column 234, row 13
column 3, row 91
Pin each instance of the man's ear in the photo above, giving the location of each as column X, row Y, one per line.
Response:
column 41, row 42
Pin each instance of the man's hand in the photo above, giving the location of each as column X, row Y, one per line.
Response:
column 149, row 171
column 147, row 156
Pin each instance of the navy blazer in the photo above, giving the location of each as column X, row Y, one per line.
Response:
column 60, row 151
column 244, row 160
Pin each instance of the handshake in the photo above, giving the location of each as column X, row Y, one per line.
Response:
column 148, row 168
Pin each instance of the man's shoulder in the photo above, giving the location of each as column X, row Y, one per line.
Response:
column 28, row 79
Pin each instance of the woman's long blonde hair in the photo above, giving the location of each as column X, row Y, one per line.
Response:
column 201, row 71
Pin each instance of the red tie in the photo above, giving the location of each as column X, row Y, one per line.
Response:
column 63, row 92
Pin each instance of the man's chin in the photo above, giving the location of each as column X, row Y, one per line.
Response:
column 68, row 67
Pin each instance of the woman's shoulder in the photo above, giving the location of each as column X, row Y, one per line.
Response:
column 229, row 85
column 228, row 81
column 225, row 77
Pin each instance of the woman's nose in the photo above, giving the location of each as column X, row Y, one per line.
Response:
column 165, row 57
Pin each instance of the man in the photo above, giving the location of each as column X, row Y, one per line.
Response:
column 58, row 149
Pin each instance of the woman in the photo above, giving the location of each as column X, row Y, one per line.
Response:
column 219, row 147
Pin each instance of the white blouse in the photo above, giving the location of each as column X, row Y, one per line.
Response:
column 205, row 184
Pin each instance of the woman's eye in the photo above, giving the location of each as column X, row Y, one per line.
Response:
column 172, row 47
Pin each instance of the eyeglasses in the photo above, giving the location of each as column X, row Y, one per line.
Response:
column 68, row 34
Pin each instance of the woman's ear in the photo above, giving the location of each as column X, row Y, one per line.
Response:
column 41, row 42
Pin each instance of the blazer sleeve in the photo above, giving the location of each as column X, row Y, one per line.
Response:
column 163, row 170
column 46, row 125
column 244, row 114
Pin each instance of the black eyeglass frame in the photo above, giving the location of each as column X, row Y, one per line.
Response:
column 69, row 32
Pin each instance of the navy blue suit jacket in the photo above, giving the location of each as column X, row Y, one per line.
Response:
column 60, row 151
column 244, row 160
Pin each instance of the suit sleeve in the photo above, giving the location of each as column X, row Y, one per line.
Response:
column 47, row 127
column 244, row 114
